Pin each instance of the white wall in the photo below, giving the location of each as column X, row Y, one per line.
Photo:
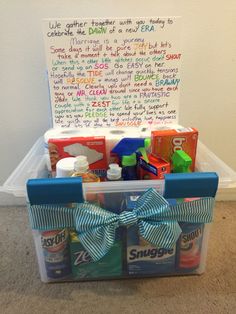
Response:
column 208, row 96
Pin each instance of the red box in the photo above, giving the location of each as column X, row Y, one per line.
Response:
column 154, row 169
column 93, row 147
column 165, row 142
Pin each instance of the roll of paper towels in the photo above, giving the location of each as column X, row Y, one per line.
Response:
column 114, row 135
column 67, row 133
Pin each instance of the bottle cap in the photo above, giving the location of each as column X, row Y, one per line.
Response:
column 65, row 167
column 130, row 160
column 114, row 172
column 81, row 164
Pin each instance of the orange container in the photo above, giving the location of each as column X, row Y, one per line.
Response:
column 165, row 142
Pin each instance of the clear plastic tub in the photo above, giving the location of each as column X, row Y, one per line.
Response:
column 34, row 165
column 130, row 255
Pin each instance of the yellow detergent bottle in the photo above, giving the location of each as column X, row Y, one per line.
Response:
column 81, row 169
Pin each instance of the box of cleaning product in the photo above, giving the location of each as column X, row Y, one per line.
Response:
column 166, row 142
column 83, row 266
column 113, row 96
column 93, row 147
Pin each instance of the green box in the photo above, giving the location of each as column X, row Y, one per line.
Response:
column 83, row 266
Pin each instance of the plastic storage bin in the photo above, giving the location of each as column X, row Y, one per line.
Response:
column 130, row 256
column 34, row 165
column 66, row 248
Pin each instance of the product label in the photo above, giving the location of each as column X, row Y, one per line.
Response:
column 190, row 244
column 84, row 267
column 188, row 238
column 54, row 241
column 81, row 257
column 55, row 245
column 91, row 147
column 177, row 143
column 143, row 258
column 150, row 171
column 149, row 253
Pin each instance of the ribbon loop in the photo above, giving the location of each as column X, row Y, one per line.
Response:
column 127, row 218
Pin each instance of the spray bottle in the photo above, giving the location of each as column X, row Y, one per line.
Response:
column 128, row 151
column 181, row 162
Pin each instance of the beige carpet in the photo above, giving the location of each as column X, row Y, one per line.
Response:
column 22, row 292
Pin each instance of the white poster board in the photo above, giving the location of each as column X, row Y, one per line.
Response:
column 113, row 72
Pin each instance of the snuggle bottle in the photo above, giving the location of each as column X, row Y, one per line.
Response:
column 81, row 169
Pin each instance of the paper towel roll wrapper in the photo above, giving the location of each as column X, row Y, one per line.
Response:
column 114, row 135
column 67, row 133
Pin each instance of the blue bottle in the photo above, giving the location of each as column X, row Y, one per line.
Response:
column 129, row 167
column 127, row 150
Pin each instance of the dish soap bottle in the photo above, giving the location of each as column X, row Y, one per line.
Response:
column 81, row 169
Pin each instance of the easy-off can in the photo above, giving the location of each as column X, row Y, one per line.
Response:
column 189, row 247
column 56, row 252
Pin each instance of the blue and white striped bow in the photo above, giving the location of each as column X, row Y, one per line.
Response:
column 96, row 227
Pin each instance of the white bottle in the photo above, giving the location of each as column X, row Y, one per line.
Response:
column 114, row 172
column 113, row 201
column 65, row 167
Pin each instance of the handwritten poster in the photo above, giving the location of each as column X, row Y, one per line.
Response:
column 113, row 72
